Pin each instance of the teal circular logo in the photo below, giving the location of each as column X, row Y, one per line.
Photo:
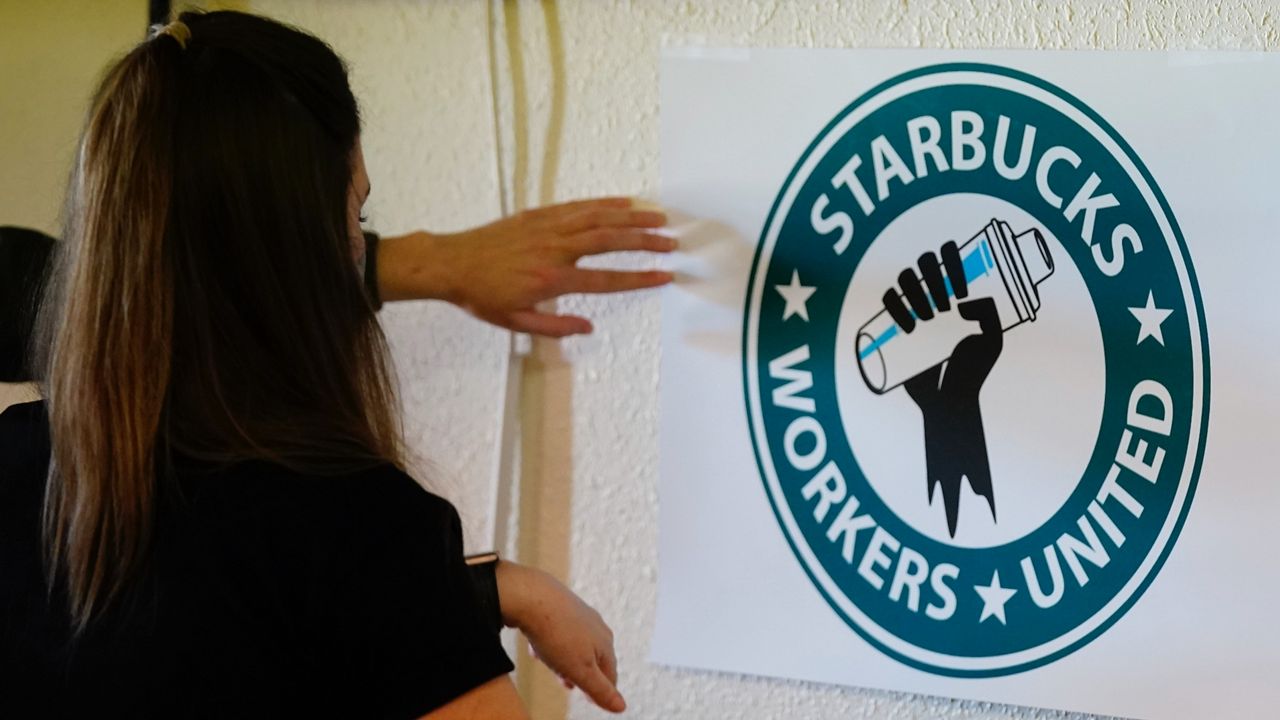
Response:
column 976, row 370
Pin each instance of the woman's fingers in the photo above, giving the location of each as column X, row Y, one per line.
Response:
column 502, row 270
column 580, row 280
column 547, row 324
column 605, row 217
column 603, row 692
column 607, row 240
column 553, row 214
column 609, row 665
column 568, row 208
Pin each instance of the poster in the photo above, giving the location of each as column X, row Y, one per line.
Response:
column 967, row 377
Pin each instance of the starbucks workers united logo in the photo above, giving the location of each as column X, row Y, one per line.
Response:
column 976, row 370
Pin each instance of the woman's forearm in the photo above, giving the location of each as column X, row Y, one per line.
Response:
column 503, row 271
column 563, row 631
column 415, row 267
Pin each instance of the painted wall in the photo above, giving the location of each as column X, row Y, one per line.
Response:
column 576, row 87
column 51, row 55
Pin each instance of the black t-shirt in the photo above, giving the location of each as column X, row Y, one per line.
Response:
column 24, row 259
column 271, row 594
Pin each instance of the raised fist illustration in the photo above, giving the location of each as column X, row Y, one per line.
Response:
column 948, row 393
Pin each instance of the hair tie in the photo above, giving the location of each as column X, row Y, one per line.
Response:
column 177, row 30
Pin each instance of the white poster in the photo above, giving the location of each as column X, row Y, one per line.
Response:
column 968, row 376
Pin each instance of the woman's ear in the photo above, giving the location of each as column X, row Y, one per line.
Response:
column 357, row 196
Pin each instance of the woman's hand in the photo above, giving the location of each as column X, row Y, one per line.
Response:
column 564, row 632
column 501, row 271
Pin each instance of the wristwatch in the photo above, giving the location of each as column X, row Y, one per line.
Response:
column 484, row 577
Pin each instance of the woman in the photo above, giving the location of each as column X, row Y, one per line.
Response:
column 208, row 516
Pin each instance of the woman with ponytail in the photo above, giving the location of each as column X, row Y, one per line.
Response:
column 208, row 516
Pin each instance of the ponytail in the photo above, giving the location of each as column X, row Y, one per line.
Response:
column 110, row 328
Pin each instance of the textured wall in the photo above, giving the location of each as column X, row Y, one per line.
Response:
column 51, row 54
column 577, row 115
column 421, row 72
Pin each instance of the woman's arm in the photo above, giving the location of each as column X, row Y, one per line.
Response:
column 564, row 632
column 498, row 272
column 501, row 271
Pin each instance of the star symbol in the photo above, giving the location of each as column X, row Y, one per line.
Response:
column 1150, row 317
column 993, row 598
column 796, row 296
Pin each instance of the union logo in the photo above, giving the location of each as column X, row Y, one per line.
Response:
column 976, row 370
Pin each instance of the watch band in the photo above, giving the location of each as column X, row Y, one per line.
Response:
column 484, row 577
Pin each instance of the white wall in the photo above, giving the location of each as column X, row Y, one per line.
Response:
column 577, row 88
column 51, row 54
column 421, row 73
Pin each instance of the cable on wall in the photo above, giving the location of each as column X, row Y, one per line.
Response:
column 513, row 197
column 506, row 477
column 520, row 471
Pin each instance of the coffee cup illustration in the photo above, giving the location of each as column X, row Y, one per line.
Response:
column 996, row 264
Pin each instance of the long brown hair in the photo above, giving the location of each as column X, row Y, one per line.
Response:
column 206, row 305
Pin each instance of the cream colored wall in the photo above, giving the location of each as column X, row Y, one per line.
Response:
column 576, row 85
column 421, row 72
column 577, row 114
column 51, row 54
